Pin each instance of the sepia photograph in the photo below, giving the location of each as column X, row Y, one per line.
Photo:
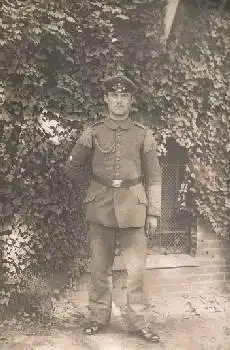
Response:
column 115, row 175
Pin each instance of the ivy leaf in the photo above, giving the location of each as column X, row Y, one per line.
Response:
column 70, row 19
column 125, row 18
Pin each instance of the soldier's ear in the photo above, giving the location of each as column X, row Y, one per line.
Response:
column 106, row 98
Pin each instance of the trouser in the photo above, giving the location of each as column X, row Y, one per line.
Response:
column 133, row 248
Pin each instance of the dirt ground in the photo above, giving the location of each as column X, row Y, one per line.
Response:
column 198, row 322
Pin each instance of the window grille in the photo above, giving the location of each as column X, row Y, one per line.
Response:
column 174, row 230
column 173, row 234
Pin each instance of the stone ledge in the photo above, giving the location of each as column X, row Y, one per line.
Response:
column 157, row 261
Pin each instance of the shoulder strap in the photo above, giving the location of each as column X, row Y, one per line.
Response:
column 140, row 125
column 97, row 123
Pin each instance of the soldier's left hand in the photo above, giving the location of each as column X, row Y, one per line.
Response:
column 151, row 224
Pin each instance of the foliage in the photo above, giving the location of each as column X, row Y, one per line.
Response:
column 198, row 115
column 55, row 54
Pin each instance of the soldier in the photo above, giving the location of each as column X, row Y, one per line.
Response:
column 124, row 196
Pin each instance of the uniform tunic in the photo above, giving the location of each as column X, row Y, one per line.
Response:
column 123, row 150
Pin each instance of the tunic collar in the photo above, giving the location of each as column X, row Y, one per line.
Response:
column 123, row 124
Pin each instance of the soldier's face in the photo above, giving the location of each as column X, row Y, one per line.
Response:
column 119, row 103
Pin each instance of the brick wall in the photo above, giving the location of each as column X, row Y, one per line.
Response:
column 212, row 271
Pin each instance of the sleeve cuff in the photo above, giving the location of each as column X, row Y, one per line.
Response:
column 153, row 211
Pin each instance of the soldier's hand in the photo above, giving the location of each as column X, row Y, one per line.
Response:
column 151, row 224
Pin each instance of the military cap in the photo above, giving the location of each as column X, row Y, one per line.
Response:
column 119, row 83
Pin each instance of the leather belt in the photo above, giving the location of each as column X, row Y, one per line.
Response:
column 116, row 183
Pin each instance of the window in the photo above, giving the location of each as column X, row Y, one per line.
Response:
column 174, row 233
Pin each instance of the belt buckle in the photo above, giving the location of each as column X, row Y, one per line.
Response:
column 116, row 183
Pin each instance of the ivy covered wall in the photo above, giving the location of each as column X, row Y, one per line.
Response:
column 55, row 55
